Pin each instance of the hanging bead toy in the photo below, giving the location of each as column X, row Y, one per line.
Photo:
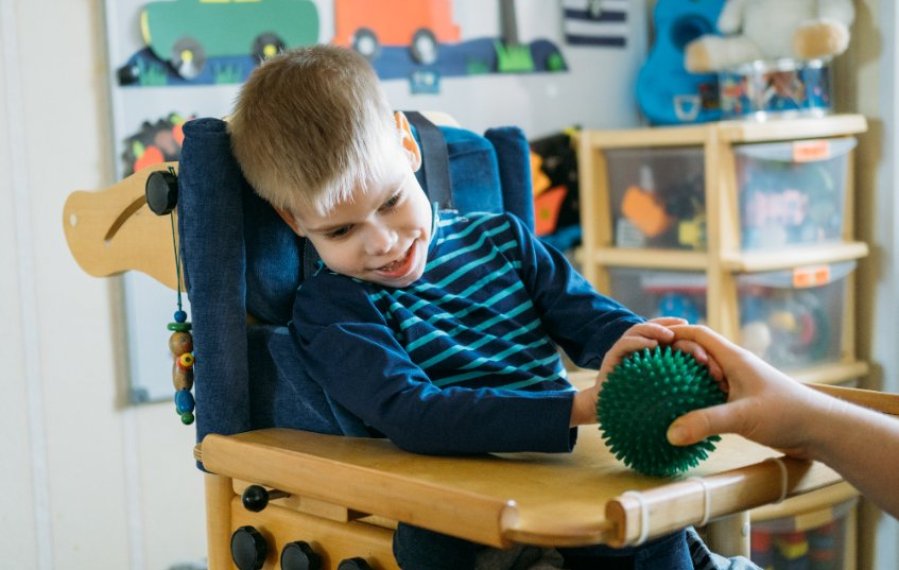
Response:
column 161, row 191
column 181, row 343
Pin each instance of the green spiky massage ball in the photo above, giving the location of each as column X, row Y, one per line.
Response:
column 640, row 399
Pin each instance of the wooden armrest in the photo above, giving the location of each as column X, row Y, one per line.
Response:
column 883, row 402
column 545, row 499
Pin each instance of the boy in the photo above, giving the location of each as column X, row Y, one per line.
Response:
column 434, row 329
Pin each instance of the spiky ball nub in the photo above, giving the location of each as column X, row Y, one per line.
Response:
column 640, row 399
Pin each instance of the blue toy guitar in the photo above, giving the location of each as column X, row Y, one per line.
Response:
column 667, row 93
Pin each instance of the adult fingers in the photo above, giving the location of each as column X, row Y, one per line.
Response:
column 693, row 348
column 699, row 424
column 716, row 345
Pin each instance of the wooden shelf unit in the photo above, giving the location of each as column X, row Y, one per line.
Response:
column 722, row 260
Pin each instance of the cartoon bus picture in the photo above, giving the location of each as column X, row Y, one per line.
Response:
column 366, row 25
column 186, row 33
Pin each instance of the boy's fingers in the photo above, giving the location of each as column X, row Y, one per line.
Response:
column 650, row 330
column 625, row 346
column 629, row 344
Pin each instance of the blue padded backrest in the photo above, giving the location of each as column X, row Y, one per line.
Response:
column 240, row 258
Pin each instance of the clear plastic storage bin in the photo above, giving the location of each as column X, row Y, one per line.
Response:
column 810, row 541
column 792, row 193
column 782, row 88
column 658, row 197
column 794, row 318
column 791, row 318
column 653, row 293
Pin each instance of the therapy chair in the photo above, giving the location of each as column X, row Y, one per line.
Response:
column 289, row 484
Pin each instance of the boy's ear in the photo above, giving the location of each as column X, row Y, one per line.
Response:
column 290, row 220
column 408, row 141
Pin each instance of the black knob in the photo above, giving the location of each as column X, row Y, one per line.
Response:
column 354, row 564
column 256, row 497
column 300, row 556
column 161, row 191
column 248, row 548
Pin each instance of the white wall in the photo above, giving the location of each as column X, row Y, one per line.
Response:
column 86, row 483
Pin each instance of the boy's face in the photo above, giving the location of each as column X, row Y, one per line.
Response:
column 380, row 235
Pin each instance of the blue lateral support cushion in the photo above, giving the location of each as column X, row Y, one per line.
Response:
column 210, row 207
column 514, row 161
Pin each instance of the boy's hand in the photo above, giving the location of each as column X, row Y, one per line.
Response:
column 644, row 335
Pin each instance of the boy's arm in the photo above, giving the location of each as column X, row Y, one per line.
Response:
column 583, row 322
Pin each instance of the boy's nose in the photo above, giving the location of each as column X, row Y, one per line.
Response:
column 380, row 240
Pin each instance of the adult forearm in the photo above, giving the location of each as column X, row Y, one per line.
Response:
column 863, row 446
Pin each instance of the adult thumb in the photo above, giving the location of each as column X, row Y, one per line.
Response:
column 700, row 424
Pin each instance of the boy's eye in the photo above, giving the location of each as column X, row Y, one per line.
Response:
column 393, row 201
column 339, row 232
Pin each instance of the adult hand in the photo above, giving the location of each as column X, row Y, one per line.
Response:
column 763, row 404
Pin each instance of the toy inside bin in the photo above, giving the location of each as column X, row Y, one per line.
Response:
column 771, row 89
column 791, row 318
column 811, row 541
column 658, row 197
column 655, row 293
column 792, row 193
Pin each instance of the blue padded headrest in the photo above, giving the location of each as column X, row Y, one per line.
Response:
column 240, row 258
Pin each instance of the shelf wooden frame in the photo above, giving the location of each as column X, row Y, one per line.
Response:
column 723, row 259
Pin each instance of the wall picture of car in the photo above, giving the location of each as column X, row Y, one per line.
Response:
column 186, row 33
column 366, row 25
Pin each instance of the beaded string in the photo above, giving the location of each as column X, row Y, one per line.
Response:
column 181, row 343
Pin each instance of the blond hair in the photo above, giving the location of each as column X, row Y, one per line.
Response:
column 311, row 126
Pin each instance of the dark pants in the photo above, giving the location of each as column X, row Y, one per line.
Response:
column 419, row 549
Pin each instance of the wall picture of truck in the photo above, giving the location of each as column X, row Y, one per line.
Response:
column 367, row 25
column 187, row 33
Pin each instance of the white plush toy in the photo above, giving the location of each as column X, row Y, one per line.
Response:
column 773, row 29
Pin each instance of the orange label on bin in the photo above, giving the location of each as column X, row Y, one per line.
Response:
column 813, row 276
column 808, row 151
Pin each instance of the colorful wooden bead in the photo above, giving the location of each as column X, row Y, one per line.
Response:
column 182, row 378
column 180, row 316
column 184, row 405
column 186, row 361
column 184, row 401
column 180, row 343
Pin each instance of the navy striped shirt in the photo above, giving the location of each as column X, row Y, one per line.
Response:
column 464, row 360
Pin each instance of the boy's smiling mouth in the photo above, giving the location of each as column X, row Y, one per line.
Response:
column 399, row 267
